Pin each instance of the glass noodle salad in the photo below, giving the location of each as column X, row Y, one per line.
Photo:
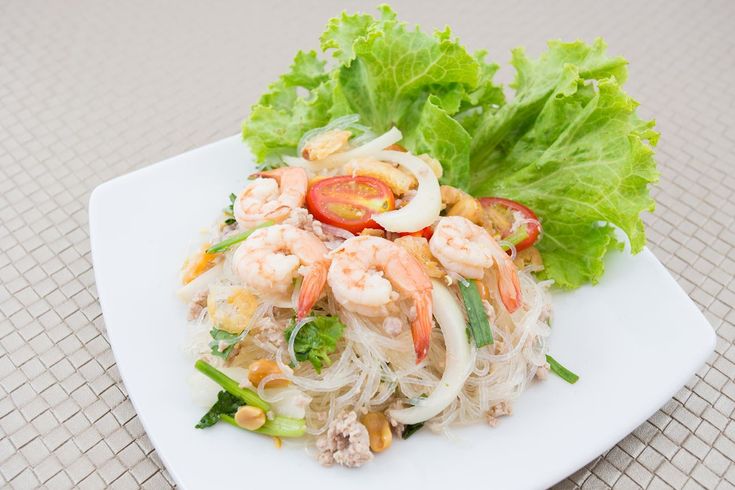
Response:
column 389, row 266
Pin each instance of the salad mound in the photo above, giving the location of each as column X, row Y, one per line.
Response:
column 568, row 142
column 389, row 267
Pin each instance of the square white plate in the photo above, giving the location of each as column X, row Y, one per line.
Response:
column 635, row 339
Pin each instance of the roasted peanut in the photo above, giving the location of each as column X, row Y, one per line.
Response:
column 398, row 181
column 264, row 367
column 459, row 203
column 250, row 418
column 325, row 144
column 379, row 431
column 528, row 256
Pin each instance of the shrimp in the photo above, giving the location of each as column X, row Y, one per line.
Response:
column 272, row 258
column 364, row 272
column 271, row 196
column 466, row 249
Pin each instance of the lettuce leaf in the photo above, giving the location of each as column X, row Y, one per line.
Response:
column 568, row 143
column 571, row 147
column 281, row 116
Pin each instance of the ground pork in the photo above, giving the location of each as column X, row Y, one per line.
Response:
column 346, row 442
column 395, row 426
column 498, row 410
column 543, row 372
column 269, row 331
column 392, row 326
column 197, row 304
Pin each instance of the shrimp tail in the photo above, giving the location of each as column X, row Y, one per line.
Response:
column 311, row 288
column 509, row 285
column 421, row 325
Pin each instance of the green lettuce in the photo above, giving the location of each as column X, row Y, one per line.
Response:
column 568, row 143
column 571, row 147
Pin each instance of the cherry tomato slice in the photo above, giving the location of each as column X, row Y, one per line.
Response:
column 533, row 228
column 349, row 202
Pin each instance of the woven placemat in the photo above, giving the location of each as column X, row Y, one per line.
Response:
column 92, row 89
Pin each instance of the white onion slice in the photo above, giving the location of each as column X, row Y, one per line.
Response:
column 338, row 159
column 187, row 292
column 421, row 211
column 460, row 360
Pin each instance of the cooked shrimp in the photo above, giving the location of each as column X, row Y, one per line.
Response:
column 368, row 273
column 271, row 196
column 272, row 258
column 466, row 249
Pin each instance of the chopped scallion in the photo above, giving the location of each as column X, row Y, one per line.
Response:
column 479, row 324
column 561, row 371
column 225, row 244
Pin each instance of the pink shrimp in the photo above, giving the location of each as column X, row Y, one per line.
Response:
column 270, row 260
column 364, row 272
column 466, row 249
column 271, row 196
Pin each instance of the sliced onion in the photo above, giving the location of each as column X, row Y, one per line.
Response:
column 338, row 159
column 200, row 283
column 460, row 360
column 421, row 211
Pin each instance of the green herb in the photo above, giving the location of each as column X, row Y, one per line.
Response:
column 227, row 243
column 561, row 371
column 316, row 340
column 277, row 427
column 224, row 339
column 226, row 404
column 248, row 396
column 479, row 324
column 567, row 143
column 411, row 429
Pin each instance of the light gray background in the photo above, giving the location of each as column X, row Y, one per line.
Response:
column 92, row 89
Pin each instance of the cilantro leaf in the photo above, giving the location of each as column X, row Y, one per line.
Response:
column 226, row 339
column 316, row 340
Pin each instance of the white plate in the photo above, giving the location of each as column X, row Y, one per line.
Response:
column 635, row 339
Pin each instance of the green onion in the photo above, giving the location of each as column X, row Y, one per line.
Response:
column 231, row 386
column 411, row 429
column 479, row 324
column 561, row 371
column 225, row 244
column 517, row 237
column 278, row 427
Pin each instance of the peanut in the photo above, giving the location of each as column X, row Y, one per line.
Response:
column 378, row 430
column 250, row 418
column 264, row 367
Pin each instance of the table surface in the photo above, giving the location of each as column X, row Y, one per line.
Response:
column 93, row 89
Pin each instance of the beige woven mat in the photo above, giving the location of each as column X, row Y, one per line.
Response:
column 93, row 89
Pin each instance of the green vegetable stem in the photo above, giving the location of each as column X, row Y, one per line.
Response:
column 278, row 427
column 241, row 237
column 231, row 386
